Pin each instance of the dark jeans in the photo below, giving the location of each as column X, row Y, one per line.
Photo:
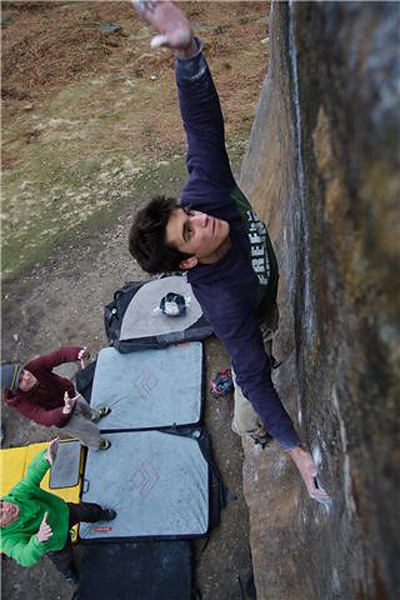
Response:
column 89, row 512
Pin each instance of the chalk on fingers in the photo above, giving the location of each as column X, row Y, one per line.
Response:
column 159, row 40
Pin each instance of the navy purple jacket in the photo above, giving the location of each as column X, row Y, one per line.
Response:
column 238, row 289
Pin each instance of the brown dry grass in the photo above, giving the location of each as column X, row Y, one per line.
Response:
column 48, row 45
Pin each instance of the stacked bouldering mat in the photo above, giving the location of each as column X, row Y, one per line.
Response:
column 158, row 473
column 158, row 483
column 150, row 389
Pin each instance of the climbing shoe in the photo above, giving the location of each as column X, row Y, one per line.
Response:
column 71, row 577
column 104, row 411
column 251, row 592
column 263, row 440
column 275, row 364
column 109, row 514
column 104, row 445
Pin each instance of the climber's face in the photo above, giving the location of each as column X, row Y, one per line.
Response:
column 198, row 234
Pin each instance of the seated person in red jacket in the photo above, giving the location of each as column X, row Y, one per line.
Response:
column 48, row 399
column 34, row 522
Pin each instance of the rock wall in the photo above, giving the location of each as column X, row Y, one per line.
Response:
column 322, row 169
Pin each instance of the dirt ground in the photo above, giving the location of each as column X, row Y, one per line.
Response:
column 90, row 131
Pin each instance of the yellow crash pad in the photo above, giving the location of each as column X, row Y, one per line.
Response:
column 12, row 468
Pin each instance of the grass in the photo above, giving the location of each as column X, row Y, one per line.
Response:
column 46, row 214
column 79, row 201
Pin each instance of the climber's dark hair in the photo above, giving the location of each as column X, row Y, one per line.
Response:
column 147, row 242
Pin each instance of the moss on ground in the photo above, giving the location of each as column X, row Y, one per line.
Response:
column 63, row 204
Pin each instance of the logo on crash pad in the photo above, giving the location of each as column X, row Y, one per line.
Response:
column 145, row 383
column 145, row 478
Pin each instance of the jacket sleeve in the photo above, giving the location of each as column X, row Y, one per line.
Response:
column 36, row 471
column 243, row 340
column 58, row 357
column 207, row 159
column 25, row 552
column 49, row 418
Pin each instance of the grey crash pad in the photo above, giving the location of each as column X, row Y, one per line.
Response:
column 156, row 481
column 149, row 388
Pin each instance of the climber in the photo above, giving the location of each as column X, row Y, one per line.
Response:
column 214, row 234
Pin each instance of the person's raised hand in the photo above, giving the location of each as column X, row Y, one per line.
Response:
column 174, row 30
column 52, row 451
column 83, row 357
column 45, row 532
column 69, row 403
column 308, row 471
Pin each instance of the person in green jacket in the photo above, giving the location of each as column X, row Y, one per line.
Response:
column 34, row 522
